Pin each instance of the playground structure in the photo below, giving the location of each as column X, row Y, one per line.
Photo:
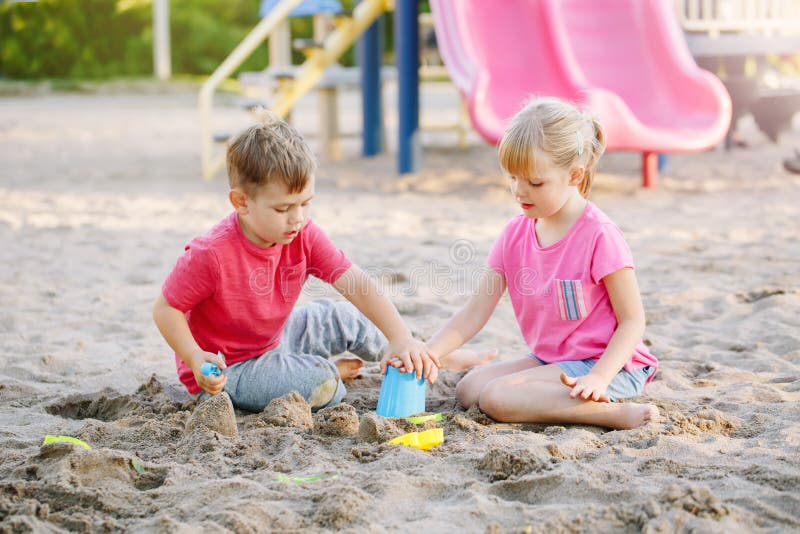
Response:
column 719, row 28
column 348, row 29
column 726, row 36
column 625, row 60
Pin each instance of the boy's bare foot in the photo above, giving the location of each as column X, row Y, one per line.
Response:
column 348, row 366
column 632, row 415
column 462, row 359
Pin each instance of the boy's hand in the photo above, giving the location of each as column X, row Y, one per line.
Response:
column 413, row 355
column 210, row 384
column 587, row 387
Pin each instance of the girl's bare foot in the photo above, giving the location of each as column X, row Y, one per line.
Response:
column 348, row 366
column 632, row 415
column 462, row 359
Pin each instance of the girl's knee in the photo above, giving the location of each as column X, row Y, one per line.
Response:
column 463, row 395
column 469, row 388
column 467, row 392
column 494, row 401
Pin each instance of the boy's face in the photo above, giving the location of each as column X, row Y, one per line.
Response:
column 273, row 215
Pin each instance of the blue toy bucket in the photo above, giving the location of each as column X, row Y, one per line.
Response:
column 401, row 394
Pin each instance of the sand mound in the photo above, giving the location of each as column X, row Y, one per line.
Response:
column 341, row 420
column 100, row 193
column 214, row 413
column 290, row 410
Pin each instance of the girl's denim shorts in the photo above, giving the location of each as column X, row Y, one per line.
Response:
column 626, row 385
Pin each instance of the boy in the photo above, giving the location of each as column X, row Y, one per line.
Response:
column 233, row 290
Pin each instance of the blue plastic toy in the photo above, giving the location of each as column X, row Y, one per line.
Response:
column 210, row 369
column 402, row 394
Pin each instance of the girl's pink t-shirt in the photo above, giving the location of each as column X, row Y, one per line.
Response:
column 561, row 304
column 237, row 296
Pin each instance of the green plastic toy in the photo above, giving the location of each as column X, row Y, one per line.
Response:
column 136, row 463
column 309, row 478
column 66, row 439
column 420, row 419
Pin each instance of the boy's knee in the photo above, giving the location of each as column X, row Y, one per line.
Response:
column 325, row 388
column 327, row 393
column 321, row 307
column 328, row 311
column 346, row 313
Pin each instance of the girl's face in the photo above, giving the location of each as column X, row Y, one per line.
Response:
column 543, row 195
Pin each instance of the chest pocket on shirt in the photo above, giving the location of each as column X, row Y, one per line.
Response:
column 291, row 279
column 569, row 299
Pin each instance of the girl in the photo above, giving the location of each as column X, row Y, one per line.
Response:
column 570, row 277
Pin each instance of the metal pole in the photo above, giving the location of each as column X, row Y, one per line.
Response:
column 162, row 62
column 406, row 45
column 649, row 169
column 280, row 46
column 369, row 55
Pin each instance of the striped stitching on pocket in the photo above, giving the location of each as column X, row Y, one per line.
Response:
column 570, row 300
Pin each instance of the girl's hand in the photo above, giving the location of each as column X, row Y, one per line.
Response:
column 210, row 384
column 398, row 364
column 413, row 356
column 587, row 387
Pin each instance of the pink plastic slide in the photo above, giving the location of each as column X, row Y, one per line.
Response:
column 625, row 60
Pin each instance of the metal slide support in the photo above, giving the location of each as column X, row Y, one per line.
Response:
column 369, row 53
column 649, row 169
column 161, row 52
column 406, row 45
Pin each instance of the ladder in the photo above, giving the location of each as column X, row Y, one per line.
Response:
column 318, row 58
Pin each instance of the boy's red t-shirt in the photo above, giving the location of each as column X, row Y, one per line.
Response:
column 237, row 296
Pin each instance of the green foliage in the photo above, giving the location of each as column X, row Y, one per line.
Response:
column 96, row 39
column 73, row 39
column 89, row 39
column 204, row 32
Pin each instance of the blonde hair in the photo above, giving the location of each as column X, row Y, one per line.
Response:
column 269, row 151
column 557, row 129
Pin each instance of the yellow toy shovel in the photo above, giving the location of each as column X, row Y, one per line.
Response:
column 420, row 440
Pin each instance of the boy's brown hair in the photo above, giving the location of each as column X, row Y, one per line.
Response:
column 269, row 151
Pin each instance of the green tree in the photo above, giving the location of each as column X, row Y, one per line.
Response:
column 73, row 39
column 90, row 39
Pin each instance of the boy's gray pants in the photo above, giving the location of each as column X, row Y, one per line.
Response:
column 313, row 333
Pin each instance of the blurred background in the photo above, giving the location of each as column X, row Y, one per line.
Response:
column 103, row 39
column 753, row 46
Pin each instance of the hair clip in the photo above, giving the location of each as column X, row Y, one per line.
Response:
column 579, row 139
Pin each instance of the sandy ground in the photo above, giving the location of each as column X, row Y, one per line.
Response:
column 98, row 195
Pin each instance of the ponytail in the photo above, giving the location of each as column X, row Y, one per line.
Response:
column 596, row 147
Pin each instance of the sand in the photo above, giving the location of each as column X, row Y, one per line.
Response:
column 98, row 195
